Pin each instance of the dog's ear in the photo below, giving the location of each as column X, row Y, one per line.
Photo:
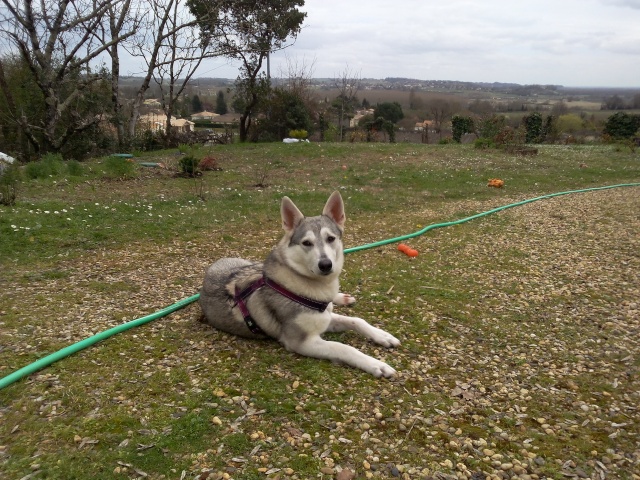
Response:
column 334, row 209
column 291, row 216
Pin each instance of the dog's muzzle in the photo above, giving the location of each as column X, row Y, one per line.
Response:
column 325, row 265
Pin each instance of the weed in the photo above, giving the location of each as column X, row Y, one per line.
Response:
column 74, row 168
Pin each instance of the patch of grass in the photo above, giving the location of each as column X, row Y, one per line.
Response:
column 119, row 167
column 74, row 168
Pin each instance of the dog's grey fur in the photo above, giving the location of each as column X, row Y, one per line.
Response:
column 307, row 261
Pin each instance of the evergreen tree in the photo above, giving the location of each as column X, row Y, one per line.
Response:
column 221, row 104
column 196, row 104
column 391, row 111
column 622, row 125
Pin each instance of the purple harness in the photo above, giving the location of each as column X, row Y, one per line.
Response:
column 240, row 298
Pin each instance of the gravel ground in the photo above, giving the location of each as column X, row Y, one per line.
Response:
column 542, row 382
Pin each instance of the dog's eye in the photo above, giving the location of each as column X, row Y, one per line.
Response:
column 331, row 239
column 307, row 243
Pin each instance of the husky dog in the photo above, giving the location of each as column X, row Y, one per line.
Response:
column 290, row 296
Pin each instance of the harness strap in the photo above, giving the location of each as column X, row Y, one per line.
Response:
column 241, row 296
column 304, row 301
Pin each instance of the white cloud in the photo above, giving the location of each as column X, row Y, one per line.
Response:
column 570, row 42
column 623, row 3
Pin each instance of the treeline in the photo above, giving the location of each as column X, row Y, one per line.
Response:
column 616, row 102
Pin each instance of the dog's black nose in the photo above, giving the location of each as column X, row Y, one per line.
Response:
column 325, row 265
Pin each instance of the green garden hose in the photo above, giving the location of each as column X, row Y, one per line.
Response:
column 87, row 342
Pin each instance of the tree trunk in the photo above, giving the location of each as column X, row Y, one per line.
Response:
column 115, row 98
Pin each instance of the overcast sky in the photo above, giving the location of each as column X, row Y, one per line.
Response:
column 563, row 42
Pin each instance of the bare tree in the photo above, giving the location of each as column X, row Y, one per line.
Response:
column 348, row 85
column 120, row 18
column 298, row 76
column 179, row 57
column 441, row 111
column 168, row 46
column 56, row 40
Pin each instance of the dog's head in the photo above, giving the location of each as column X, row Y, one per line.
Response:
column 314, row 244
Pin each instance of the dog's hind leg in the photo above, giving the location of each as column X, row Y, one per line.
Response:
column 341, row 323
column 316, row 347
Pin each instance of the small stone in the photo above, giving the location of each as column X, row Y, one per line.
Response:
column 447, row 463
column 327, row 470
column 506, row 466
column 366, row 465
column 345, row 474
column 216, row 421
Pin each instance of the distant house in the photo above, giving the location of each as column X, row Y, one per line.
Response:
column 424, row 125
column 156, row 122
column 227, row 119
column 204, row 116
column 181, row 125
column 358, row 116
column 152, row 121
column 152, row 102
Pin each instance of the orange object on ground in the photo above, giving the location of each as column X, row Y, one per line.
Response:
column 495, row 182
column 410, row 252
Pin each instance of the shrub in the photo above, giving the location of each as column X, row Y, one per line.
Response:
column 483, row 143
column 9, row 178
column 508, row 136
column 299, row 134
column 189, row 165
column 49, row 165
column 533, row 127
column 119, row 167
column 622, row 125
column 209, row 164
column 459, row 126
column 489, row 127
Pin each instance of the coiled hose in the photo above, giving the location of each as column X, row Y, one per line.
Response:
column 87, row 342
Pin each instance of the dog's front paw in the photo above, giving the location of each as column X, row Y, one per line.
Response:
column 344, row 299
column 381, row 369
column 384, row 338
